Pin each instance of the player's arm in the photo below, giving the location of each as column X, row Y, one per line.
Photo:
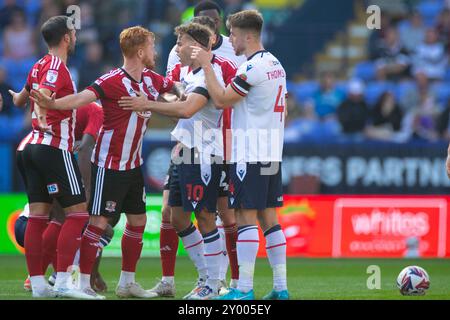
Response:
column 20, row 98
column 84, row 161
column 69, row 102
column 178, row 90
column 223, row 97
column 182, row 109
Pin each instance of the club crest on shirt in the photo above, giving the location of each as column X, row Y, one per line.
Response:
column 52, row 76
column 110, row 206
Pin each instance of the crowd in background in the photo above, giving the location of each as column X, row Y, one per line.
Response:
column 402, row 93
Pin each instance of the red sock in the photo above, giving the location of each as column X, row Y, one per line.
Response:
column 49, row 241
column 230, row 240
column 168, row 247
column 69, row 239
column 33, row 244
column 89, row 248
column 131, row 247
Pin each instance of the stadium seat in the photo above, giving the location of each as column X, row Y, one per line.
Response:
column 305, row 90
column 365, row 71
column 430, row 10
column 375, row 89
column 442, row 92
column 402, row 88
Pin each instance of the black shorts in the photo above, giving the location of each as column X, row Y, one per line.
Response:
column 169, row 174
column 50, row 174
column 224, row 181
column 255, row 186
column 114, row 192
column 194, row 186
column 21, row 166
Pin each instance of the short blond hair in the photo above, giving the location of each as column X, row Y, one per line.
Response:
column 131, row 39
column 196, row 31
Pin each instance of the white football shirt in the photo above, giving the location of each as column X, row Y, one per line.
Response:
column 257, row 121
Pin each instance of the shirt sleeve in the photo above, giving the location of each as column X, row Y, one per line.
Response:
column 54, row 79
column 162, row 84
column 95, row 120
column 246, row 77
column 174, row 74
column 99, row 87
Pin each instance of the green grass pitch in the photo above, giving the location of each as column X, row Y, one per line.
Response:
column 307, row 278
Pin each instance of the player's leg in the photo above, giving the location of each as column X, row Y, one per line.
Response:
column 40, row 204
column 181, row 220
column 134, row 205
column 228, row 218
column 20, row 226
column 50, row 237
column 168, row 246
column 275, row 238
column 248, row 193
column 213, row 252
column 65, row 185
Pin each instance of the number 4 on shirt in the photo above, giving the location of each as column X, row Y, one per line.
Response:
column 279, row 103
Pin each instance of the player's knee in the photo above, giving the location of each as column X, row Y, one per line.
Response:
column 166, row 213
column 98, row 221
column 137, row 220
column 19, row 230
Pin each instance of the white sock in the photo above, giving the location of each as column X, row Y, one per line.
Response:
column 37, row 282
column 61, row 279
column 213, row 256
column 85, row 281
column 76, row 260
column 224, row 261
column 247, row 248
column 170, row 280
column 193, row 243
column 126, row 278
column 276, row 252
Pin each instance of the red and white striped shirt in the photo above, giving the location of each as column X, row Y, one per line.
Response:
column 51, row 73
column 119, row 143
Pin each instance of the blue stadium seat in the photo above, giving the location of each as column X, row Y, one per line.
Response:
column 430, row 10
column 447, row 75
column 375, row 89
column 403, row 88
column 442, row 92
column 305, row 90
column 365, row 71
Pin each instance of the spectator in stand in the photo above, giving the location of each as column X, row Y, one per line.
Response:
column 353, row 113
column 393, row 61
column 443, row 28
column 377, row 36
column 7, row 106
column 443, row 123
column 7, row 11
column 92, row 65
column 18, row 38
column 412, row 34
column 431, row 58
column 422, row 119
column 328, row 97
column 386, row 118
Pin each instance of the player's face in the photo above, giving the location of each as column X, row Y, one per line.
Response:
column 238, row 40
column 184, row 50
column 72, row 42
column 149, row 54
column 213, row 14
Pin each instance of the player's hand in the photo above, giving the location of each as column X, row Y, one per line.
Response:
column 138, row 103
column 43, row 100
column 203, row 57
column 1, row 103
